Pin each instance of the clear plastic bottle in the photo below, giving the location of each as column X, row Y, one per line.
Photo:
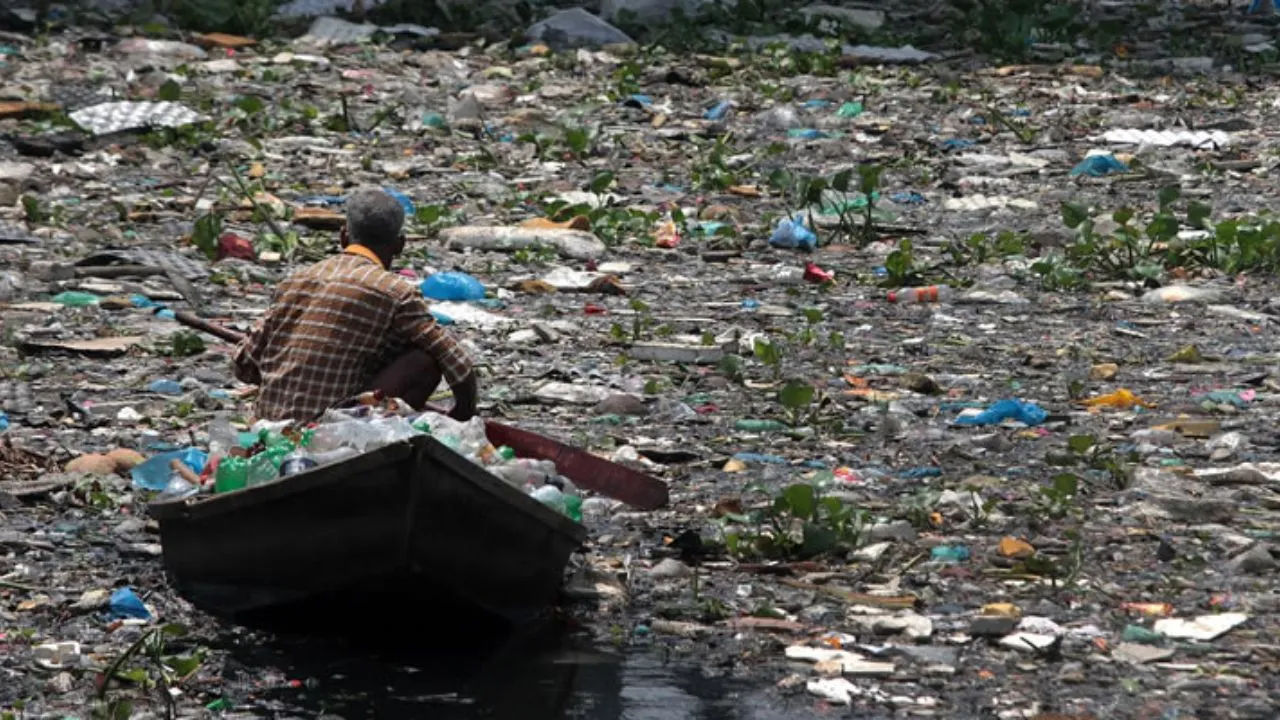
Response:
column 550, row 496
column 261, row 470
column 926, row 294
column 298, row 461
column 526, row 472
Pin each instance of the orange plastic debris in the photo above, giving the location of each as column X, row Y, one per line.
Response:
column 225, row 40
column 581, row 222
column 1122, row 399
column 1149, row 609
column 1012, row 547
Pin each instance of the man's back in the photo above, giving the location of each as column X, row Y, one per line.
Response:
column 328, row 332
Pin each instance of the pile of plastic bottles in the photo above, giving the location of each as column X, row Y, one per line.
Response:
column 270, row 451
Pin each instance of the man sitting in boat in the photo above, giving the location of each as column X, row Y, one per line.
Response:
column 346, row 326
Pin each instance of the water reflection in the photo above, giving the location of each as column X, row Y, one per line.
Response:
column 544, row 675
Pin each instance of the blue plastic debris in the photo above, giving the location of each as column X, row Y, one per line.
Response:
column 434, row 120
column 793, row 233
column 718, row 111
column 441, row 317
column 748, row 457
column 817, row 104
column 1098, row 166
column 322, row 200
column 750, row 304
column 125, row 603
column 957, row 144
column 638, row 100
column 920, row 472
column 452, row 286
column 1026, row 413
column 1262, row 7
column 910, row 197
column 155, row 472
column 949, row 553
column 807, row 134
column 4, row 421
column 405, row 201
column 165, row 387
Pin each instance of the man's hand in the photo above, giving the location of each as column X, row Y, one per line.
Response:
column 464, row 399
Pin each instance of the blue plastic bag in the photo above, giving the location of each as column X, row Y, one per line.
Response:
column 154, row 473
column 718, row 111
column 452, row 286
column 165, row 387
column 1024, row 412
column 405, row 201
column 792, row 233
column 4, row 421
column 125, row 603
column 1098, row 166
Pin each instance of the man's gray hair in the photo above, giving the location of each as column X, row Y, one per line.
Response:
column 374, row 218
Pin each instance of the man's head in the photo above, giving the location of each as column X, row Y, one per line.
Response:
column 374, row 220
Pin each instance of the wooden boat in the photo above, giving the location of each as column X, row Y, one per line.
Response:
column 410, row 529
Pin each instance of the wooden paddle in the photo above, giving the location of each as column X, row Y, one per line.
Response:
column 584, row 469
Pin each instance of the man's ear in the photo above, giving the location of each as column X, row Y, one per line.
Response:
column 343, row 238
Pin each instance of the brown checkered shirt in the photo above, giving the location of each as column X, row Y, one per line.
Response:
column 329, row 331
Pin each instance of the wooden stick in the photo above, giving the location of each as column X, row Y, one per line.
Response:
column 203, row 325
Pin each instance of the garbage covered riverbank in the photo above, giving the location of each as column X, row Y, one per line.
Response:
column 961, row 375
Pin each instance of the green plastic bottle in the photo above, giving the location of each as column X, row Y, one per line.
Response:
column 573, row 507
column 233, row 474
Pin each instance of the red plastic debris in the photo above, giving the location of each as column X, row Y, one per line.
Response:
column 231, row 245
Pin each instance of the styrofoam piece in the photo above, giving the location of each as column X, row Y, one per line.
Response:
column 1196, row 139
column 113, row 117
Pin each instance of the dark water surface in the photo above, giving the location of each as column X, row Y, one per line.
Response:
column 543, row 676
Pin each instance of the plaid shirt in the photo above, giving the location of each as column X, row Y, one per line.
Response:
column 331, row 328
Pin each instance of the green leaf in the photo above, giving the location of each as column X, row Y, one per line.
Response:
column 1197, row 214
column 1168, row 195
column 767, row 352
column 183, row 666
column 601, row 182
column 204, row 236
column 171, row 91
column 1073, row 214
column 796, row 394
column 1122, row 216
column 818, row 539
column 251, row 104
column 428, row 214
column 1162, row 228
column 869, row 178
column 841, row 181
column 1065, row 485
column 800, row 500
column 174, row 630
column 1081, row 443
column 639, row 306
column 813, row 315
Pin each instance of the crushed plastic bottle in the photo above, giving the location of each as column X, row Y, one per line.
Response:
column 929, row 294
